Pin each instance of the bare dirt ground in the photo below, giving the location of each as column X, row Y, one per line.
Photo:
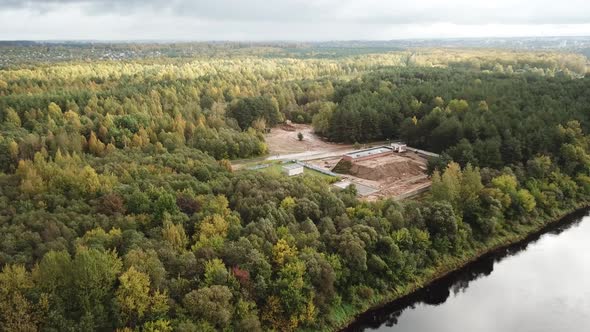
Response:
column 285, row 142
column 391, row 167
column 285, row 145
column 396, row 175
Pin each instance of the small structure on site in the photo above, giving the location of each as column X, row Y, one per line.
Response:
column 343, row 184
column 399, row 147
column 367, row 154
column 361, row 189
column 293, row 169
column 288, row 126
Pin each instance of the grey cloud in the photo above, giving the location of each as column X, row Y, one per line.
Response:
column 231, row 10
column 343, row 11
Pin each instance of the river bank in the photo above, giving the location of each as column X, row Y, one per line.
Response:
column 522, row 235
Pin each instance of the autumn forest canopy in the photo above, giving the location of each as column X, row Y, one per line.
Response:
column 119, row 209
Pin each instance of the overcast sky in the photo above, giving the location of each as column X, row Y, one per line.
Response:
column 303, row 20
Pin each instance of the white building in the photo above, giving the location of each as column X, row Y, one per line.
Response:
column 399, row 147
column 293, row 169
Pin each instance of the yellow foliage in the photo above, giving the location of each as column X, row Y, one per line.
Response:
column 273, row 314
column 31, row 180
column 13, row 149
column 140, row 139
column 133, row 293
column 161, row 325
column 175, row 235
column 526, row 200
column 95, row 146
column 214, row 225
column 283, row 252
column 310, row 311
column 54, row 111
column 497, row 194
column 212, row 232
column 135, row 299
column 90, row 182
column 73, row 120
column 505, row 182
column 288, row 203
column 12, row 117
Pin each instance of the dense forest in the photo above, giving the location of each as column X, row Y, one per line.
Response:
column 119, row 209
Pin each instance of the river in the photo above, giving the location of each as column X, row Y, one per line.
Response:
column 540, row 285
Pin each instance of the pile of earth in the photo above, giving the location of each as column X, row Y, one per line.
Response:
column 392, row 168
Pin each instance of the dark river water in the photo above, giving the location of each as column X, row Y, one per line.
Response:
column 541, row 285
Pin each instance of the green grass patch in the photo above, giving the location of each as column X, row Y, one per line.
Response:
column 276, row 169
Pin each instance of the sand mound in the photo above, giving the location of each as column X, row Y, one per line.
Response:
column 390, row 167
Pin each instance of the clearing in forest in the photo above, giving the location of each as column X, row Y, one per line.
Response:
column 393, row 174
column 284, row 140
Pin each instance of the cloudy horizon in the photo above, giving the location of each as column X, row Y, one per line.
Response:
column 302, row 20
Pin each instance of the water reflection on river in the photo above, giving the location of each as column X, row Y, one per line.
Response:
column 540, row 286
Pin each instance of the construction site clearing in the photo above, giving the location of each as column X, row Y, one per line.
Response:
column 391, row 170
column 380, row 172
